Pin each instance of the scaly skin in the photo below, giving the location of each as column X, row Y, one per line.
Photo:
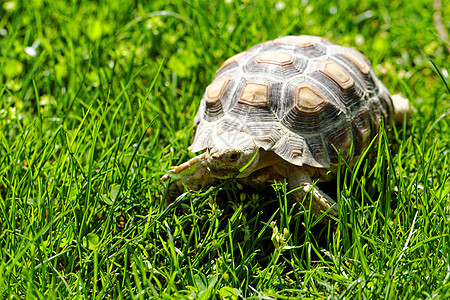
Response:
column 195, row 175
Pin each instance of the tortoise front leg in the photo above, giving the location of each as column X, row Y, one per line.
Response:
column 303, row 190
column 193, row 174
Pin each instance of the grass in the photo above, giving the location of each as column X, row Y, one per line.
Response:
column 97, row 100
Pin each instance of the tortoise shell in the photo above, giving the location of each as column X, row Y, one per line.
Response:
column 301, row 97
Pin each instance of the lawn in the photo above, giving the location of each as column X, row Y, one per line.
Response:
column 97, row 101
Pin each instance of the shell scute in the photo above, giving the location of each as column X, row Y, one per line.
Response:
column 275, row 57
column 278, row 64
column 338, row 74
column 316, row 147
column 215, row 90
column 308, row 122
column 231, row 63
column 362, row 64
column 216, row 98
column 308, row 99
column 255, row 94
column 310, row 46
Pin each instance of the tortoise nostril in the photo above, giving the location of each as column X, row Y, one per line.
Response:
column 234, row 156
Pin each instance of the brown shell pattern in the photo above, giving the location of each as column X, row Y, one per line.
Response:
column 299, row 96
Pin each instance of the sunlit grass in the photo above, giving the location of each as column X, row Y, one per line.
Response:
column 97, row 102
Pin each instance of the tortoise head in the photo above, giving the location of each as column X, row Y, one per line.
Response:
column 232, row 151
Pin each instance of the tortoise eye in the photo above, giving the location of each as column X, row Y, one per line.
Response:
column 234, row 156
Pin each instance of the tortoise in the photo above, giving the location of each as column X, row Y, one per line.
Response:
column 286, row 109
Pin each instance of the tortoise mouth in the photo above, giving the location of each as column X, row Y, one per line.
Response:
column 222, row 166
column 222, row 173
column 227, row 165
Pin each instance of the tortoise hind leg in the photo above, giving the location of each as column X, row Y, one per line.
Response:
column 401, row 107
